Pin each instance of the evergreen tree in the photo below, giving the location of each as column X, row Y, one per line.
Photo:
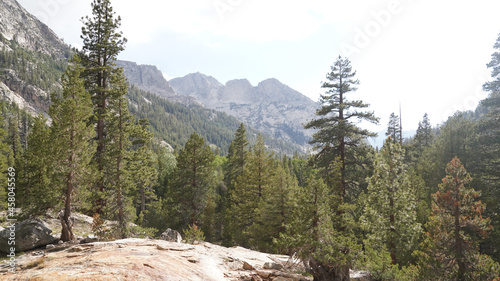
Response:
column 101, row 45
column 143, row 168
column 193, row 181
column 249, row 190
column 487, row 152
column 450, row 250
column 5, row 153
column 234, row 167
column 393, row 128
column 236, row 157
column 423, row 136
column 35, row 180
column 71, row 139
column 14, row 139
column 338, row 135
column 312, row 234
column 274, row 209
column 117, row 172
column 389, row 214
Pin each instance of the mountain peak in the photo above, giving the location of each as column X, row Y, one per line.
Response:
column 271, row 107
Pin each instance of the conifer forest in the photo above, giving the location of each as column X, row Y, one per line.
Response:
column 424, row 207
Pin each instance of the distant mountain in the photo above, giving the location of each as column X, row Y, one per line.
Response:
column 270, row 107
column 33, row 59
column 150, row 79
column 378, row 141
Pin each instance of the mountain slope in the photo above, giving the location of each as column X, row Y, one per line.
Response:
column 33, row 58
column 270, row 107
column 31, row 34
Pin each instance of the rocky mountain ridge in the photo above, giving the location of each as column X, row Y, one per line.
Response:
column 271, row 106
column 150, row 79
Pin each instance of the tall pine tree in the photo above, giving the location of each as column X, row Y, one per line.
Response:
column 393, row 128
column 338, row 135
column 389, row 215
column 101, row 45
column 249, row 190
column 71, row 138
column 193, row 181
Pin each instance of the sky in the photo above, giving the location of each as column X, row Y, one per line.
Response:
column 427, row 56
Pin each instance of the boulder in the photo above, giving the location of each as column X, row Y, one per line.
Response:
column 89, row 239
column 171, row 236
column 272, row 265
column 29, row 234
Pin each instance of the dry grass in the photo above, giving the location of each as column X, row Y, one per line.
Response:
column 35, row 263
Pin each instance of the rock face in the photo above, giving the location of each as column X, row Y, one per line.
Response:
column 171, row 236
column 29, row 234
column 24, row 31
column 270, row 107
column 150, row 79
column 16, row 23
column 143, row 259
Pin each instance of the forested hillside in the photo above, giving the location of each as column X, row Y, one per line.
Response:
column 420, row 208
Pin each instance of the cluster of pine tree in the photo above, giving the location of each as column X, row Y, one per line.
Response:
column 407, row 212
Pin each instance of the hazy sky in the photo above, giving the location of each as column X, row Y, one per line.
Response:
column 429, row 55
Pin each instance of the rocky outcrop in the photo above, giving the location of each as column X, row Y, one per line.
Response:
column 143, row 259
column 19, row 25
column 26, row 96
column 271, row 107
column 29, row 234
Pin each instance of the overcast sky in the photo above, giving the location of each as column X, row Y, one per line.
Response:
column 429, row 55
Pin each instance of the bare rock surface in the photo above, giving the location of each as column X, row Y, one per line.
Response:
column 145, row 259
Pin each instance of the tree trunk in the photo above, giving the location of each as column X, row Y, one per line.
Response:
column 323, row 272
column 458, row 242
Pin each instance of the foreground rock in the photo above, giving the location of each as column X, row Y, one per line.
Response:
column 171, row 236
column 29, row 234
column 144, row 259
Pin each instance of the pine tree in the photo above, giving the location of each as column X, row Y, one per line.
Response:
column 487, row 150
column 312, row 234
column 234, row 167
column 389, row 214
column 71, row 138
column 249, row 190
column 36, row 191
column 193, row 181
column 338, row 135
column 101, row 45
column 142, row 166
column 450, row 250
column 393, row 128
column 274, row 210
column 14, row 139
column 236, row 157
column 117, row 173
column 5, row 153
column 423, row 136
